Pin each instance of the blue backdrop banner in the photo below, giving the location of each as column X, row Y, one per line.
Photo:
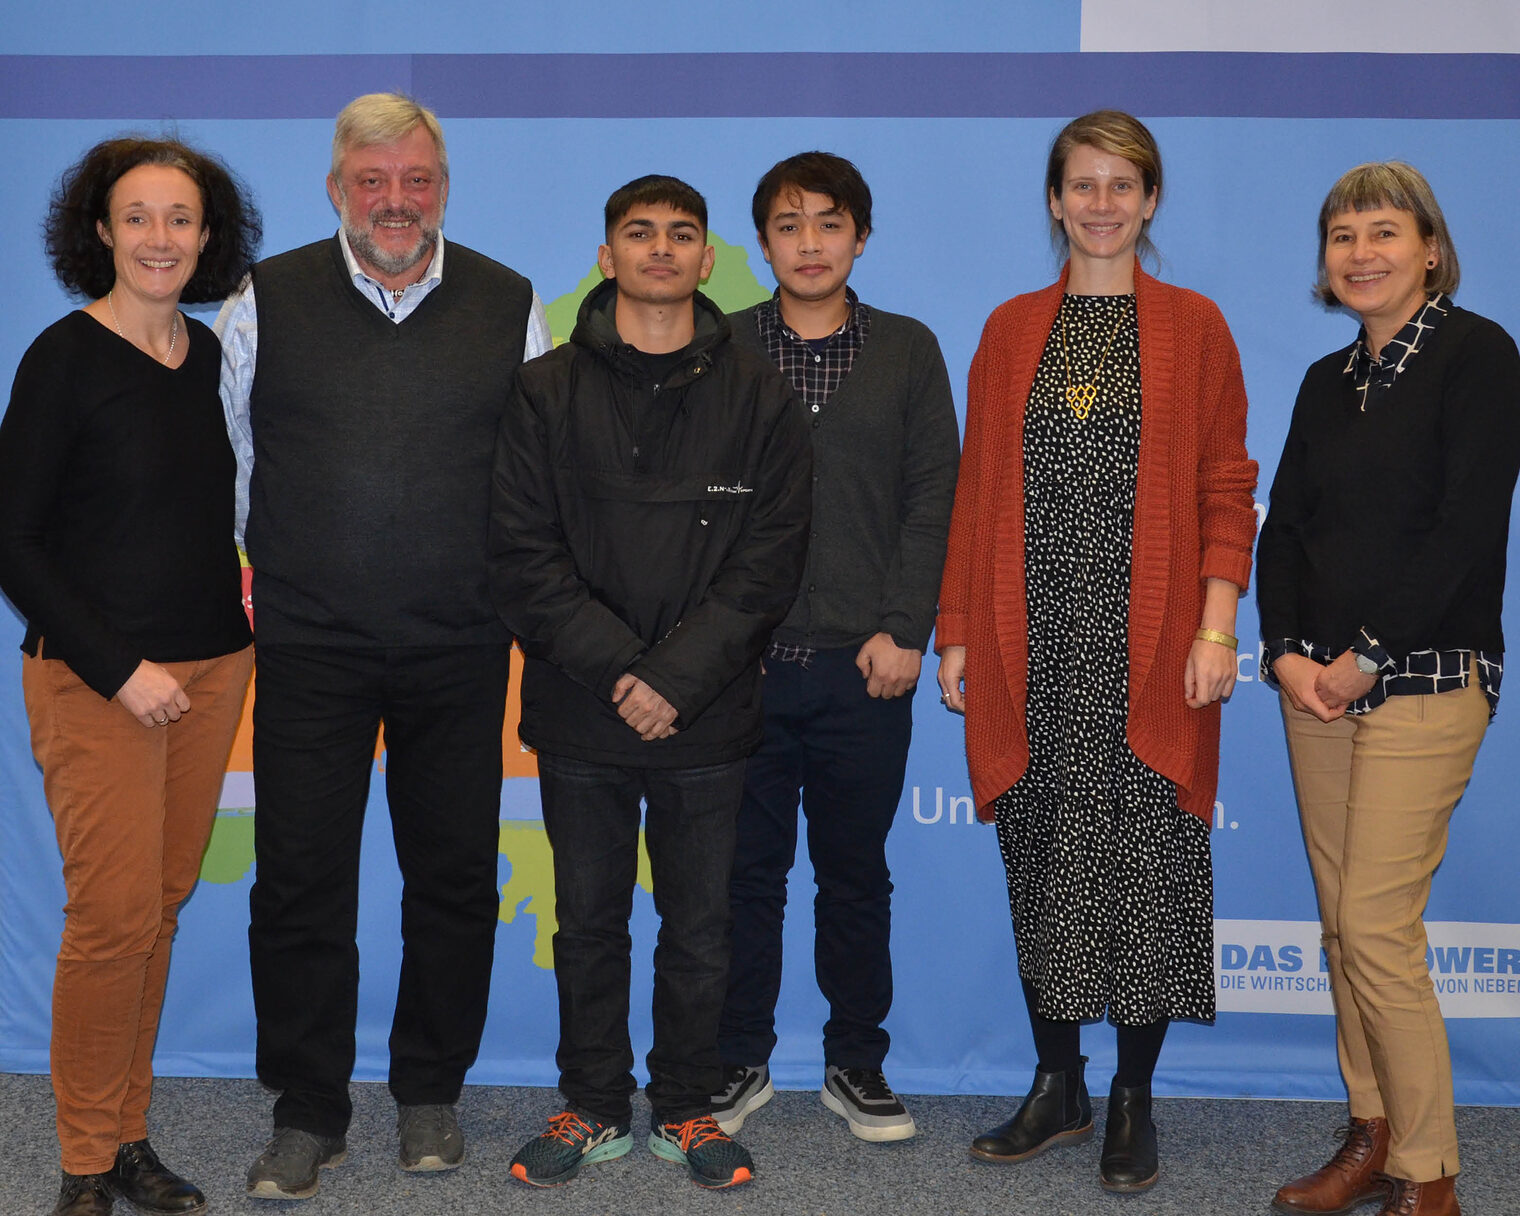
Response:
column 949, row 113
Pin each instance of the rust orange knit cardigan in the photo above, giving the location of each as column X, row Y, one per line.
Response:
column 1194, row 520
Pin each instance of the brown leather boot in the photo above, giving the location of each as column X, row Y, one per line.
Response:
column 1438, row 1198
column 1350, row 1178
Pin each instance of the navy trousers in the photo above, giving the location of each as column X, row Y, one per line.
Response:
column 842, row 754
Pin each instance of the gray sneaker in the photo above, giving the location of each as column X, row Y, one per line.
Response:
column 864, row 1100
column 287, row 1168
column 430, row 1138
column 746, row 1088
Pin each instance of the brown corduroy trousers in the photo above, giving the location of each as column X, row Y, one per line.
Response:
column 133, row 809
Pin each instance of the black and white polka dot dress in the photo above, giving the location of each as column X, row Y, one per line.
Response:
column 1109, row 881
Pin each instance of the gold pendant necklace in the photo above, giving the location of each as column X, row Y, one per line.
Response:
column 1082, row 397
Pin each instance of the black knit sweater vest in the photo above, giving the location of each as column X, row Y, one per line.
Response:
column 373, row 448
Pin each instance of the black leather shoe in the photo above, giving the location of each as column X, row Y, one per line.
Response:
column 1129, row 1140
column 149, row 1185
column 1052, row 1113
column 84, row 1195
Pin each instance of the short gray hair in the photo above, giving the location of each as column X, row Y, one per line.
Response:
column 1400, row 187
column 383, row 118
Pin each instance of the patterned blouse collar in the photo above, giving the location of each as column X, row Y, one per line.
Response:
column 1378, row 373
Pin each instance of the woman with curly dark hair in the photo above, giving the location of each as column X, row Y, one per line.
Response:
column 116, row 544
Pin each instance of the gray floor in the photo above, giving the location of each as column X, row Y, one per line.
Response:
column 1218, row 1157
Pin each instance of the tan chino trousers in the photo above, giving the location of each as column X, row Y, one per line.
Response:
column 133, row 808
column 1375, row 795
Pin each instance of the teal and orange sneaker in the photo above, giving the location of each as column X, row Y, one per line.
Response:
column 710, row 1155
column 573, row 1140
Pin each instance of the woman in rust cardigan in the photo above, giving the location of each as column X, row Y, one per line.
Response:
column 1086, row 630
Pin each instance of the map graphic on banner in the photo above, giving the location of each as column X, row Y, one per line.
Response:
column 530, row 889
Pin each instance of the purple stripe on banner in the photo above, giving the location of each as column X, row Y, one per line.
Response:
column 193, row 86
column 720, row 85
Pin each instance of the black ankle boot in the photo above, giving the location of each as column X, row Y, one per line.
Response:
column 84, row 1195
column 149, row 1185
column 1129, row 1140
column 1053, row 1112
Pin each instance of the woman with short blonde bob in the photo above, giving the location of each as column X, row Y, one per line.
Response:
column 1381, row 572
column 1100, row 541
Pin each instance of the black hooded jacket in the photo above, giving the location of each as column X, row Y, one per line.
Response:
column 657, row 529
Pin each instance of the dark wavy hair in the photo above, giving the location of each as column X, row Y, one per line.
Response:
column 818, row 173
column 83, row 263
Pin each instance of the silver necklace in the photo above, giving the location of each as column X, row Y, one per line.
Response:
column 173, row 328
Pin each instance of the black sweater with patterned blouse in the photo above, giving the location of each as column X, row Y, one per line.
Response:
column 1396, row 517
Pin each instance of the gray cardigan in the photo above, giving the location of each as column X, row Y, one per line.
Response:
column 886, row 447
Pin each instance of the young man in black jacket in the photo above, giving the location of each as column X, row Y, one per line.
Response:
column 649, row 525
column 842, row 667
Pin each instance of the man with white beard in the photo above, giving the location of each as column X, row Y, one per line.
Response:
column 363, row 384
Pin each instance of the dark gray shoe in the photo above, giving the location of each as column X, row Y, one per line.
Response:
column 864, row 1100
column 287, row 1168
column 746, row 1088
column 430, row 1138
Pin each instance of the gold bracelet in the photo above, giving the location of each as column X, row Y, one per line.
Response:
column 1213, row 635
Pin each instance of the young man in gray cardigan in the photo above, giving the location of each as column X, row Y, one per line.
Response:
column 842, row 667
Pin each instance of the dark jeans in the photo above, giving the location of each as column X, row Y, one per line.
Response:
column 845, row 752
column 591, row 813
column 315, row 716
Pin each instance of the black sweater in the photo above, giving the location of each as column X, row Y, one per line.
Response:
column 116, row 500
column 1397, row 518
